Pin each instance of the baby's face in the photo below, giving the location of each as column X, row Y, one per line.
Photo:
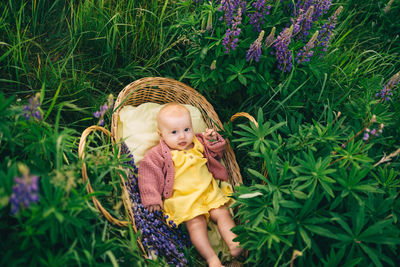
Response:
column 177, row 131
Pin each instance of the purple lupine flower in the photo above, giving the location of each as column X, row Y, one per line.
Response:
column 270, row 38
column 298, row 22
column 368, row 134
column 230, row 7
column 302, row 23
column 257, row 18
column 307, row 21
column 282, row 53
column 306, row 52
column 321, row 7
column 381, row 127
column 168, row 241
column 103, row 109
column 33, row 108
column 325, row 33
column 386, row 92
column 25, row 190
column 254, row 51
column 230, row 40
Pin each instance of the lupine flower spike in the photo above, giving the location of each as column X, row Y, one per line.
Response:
column 306, row 52
column 25, row 190
column 283, row 54
column 325, row 33
column 321, row 7
column 158, row 236
column 209, row 22
column 270, row 38
column 257, row 18
column 106, row 106
column 33, row 108
column 302, row 24
column 371, row 121
column 229, row 7
column 368, row 134
column 254, row 51
column 298, row 21
column 387, row 88
column 230, row 40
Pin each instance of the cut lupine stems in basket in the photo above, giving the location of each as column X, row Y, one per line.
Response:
column 159, row 237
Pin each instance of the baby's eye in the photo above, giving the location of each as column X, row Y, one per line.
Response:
column 173, row 132
column 187, row 129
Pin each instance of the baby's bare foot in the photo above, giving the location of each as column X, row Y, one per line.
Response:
column 235, row 250
column 214, row 262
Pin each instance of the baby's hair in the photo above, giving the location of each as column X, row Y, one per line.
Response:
column 171, row 109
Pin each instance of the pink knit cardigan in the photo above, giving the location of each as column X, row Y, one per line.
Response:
column 157, row 173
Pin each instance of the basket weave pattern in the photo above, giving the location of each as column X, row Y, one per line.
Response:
column 163, row 90
column 158, row 90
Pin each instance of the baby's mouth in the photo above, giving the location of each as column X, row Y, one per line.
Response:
column 182, row 143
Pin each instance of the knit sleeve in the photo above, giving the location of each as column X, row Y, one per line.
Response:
column 151, row 179
column 215, row 148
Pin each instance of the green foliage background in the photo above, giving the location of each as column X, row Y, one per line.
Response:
column 303, row 191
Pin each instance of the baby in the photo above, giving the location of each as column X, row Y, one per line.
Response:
column 181, row 170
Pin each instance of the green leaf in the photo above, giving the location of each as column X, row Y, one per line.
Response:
column 242, row 79
column 321, row 231
column 376, row 228
column 371, row 254
column 305, row 237
column 231, row 78
column 250, row 195
column 257, row 175
column 290, row 204
column 327, row 188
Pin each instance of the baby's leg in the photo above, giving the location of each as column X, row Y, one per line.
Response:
column 225, row 223
column 197, row 228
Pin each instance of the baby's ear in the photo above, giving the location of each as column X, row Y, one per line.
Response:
column 159, row 133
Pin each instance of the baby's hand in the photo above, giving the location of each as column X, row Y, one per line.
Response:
column 210, row 135
column 155, row 207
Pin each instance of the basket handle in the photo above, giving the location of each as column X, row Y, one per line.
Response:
column 251, row 118
column 89, row 189
column 246, row 115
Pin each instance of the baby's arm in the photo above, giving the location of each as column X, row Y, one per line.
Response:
column 151, row 177
column 215, row 143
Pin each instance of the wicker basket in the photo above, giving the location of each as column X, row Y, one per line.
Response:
column 158, row 90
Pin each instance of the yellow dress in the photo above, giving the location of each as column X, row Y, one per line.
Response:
column 195, row 190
